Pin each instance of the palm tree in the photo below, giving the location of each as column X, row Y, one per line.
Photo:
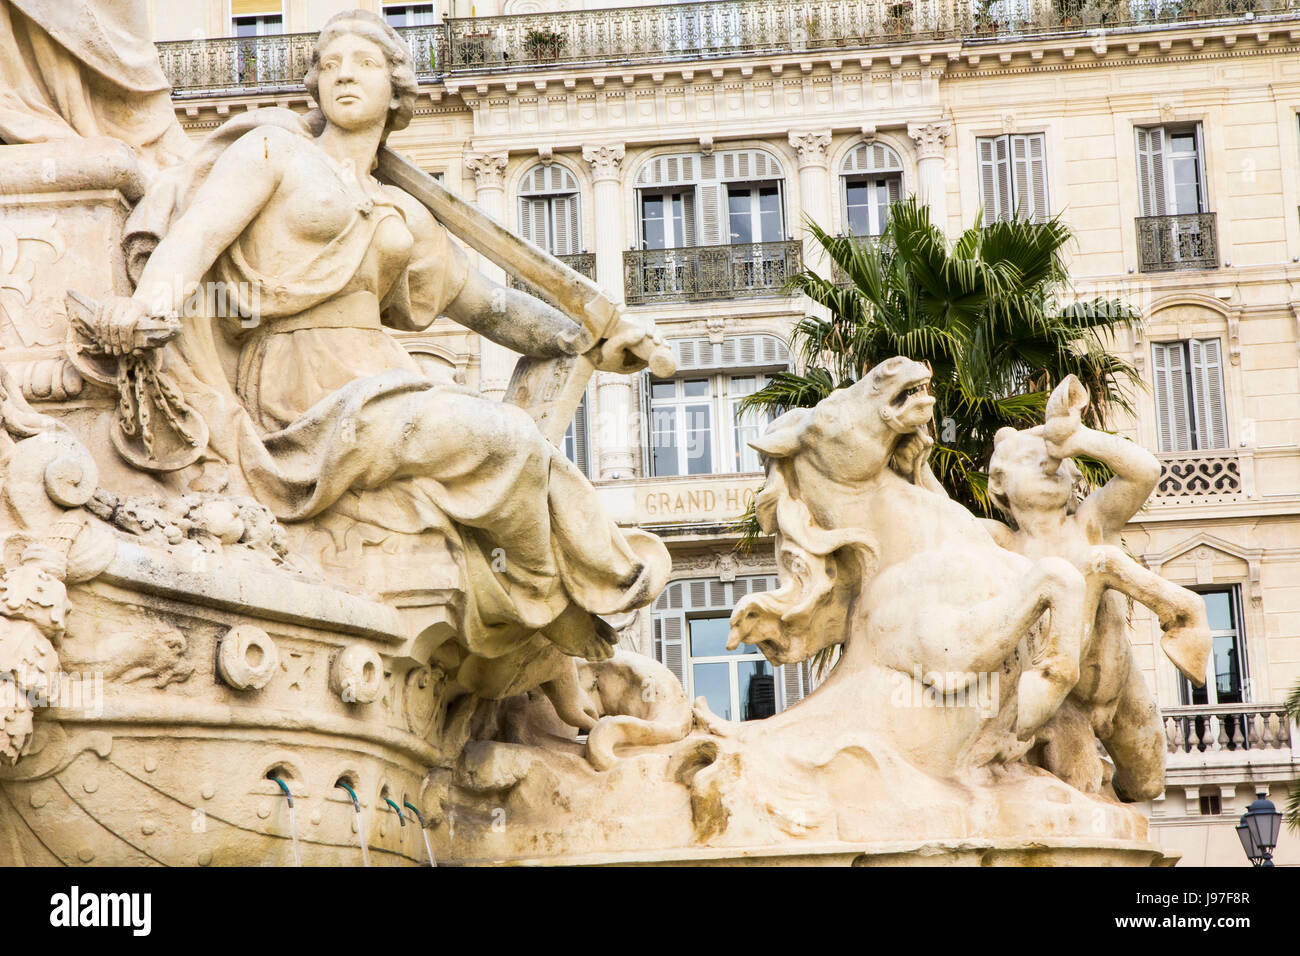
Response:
column 989, row 314
column 1293, row 799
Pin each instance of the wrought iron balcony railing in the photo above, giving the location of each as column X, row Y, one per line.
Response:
column 1229, row 727
column 266, row 64
column 688, row 31
column 710, row 272
column 1166, row 243
column 737, row 27
column 1193, row 476
column 581, row 262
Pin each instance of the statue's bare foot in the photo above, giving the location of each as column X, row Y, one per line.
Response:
column 1188, row 647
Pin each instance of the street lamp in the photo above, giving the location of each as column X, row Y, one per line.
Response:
column 1258, row 831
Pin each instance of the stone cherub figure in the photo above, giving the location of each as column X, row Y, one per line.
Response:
column 1032, row 481
column 314, row 409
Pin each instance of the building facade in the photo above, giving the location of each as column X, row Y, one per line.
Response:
column 674, row 153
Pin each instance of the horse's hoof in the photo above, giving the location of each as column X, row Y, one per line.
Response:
column 1038, row 698
column 1189, row 649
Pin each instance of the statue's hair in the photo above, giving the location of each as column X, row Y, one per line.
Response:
column 372, row 27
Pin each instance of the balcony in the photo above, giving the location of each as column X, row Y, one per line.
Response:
column 1233, row 733
column 1169, row 243
column 689, row 31
column 746, row 27
column 580, row 262
column 710, row 272
column 265, row 64
column 1200, row 477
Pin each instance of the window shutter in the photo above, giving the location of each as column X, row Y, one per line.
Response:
column 564, row 210
column 1151, row 170
column 895, row 186
column 1207, row 391
column 1019, row 146
column 647, row 456
column 579, row 426
column 532, row 222
column 988, row 181
column 1006, row 199
column 712, row 214
column 1036, row 188
column 669, row 632
column 793, row 683
column 1173, row 422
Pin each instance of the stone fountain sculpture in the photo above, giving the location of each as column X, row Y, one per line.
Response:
column 251, row 551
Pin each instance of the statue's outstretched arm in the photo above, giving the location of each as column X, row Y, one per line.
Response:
column 517, row 320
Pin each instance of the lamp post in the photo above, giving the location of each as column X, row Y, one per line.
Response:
column 1258, row 831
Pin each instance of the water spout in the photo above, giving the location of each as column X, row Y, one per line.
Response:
column 361, row 832
column 424, row 832
column 396, row 810
column 293, row 823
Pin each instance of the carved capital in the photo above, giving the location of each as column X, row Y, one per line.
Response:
column 929, row 138
column 606, row 161
column 488, row 169
column 812, row 147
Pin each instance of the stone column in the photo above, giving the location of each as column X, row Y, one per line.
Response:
column 496, row 361
column 814, row 191
column 613, row 441
column 932, row 187
column 607, row 206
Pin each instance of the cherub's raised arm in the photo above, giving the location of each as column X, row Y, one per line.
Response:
column 1136, row 470
column 240, row 184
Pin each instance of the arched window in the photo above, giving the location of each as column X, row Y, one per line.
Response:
column 731, row 197
column 549, row 214
column 871, row 178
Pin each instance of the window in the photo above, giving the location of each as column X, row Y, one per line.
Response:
column 695, row 425
column 754, row 214
column 691, row 624
column 409, row 14
column 1013, row 177
column 871, row 180
column 1211, row 804
column 549, row 214
column 1171, row 173
column 1226, row 682
column 254, row 62
column 1188, row 380
column 667, row 219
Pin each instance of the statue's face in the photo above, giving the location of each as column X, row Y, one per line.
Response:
column 904, row 388
column 355, row 83
column 1018, row 471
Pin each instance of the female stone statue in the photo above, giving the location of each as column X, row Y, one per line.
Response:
column 319, row 413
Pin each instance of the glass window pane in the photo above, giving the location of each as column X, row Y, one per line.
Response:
column 699, row 439
column 713, row 683
column 696, row 387
column 1218, row 608
column 757, row 689
column 1227, row 670
column 709, row 638
column 739, row 215
column 663, row 389
column 652, row 221
column 664, row 442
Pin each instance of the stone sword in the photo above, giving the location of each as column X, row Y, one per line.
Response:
column 549, row 389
